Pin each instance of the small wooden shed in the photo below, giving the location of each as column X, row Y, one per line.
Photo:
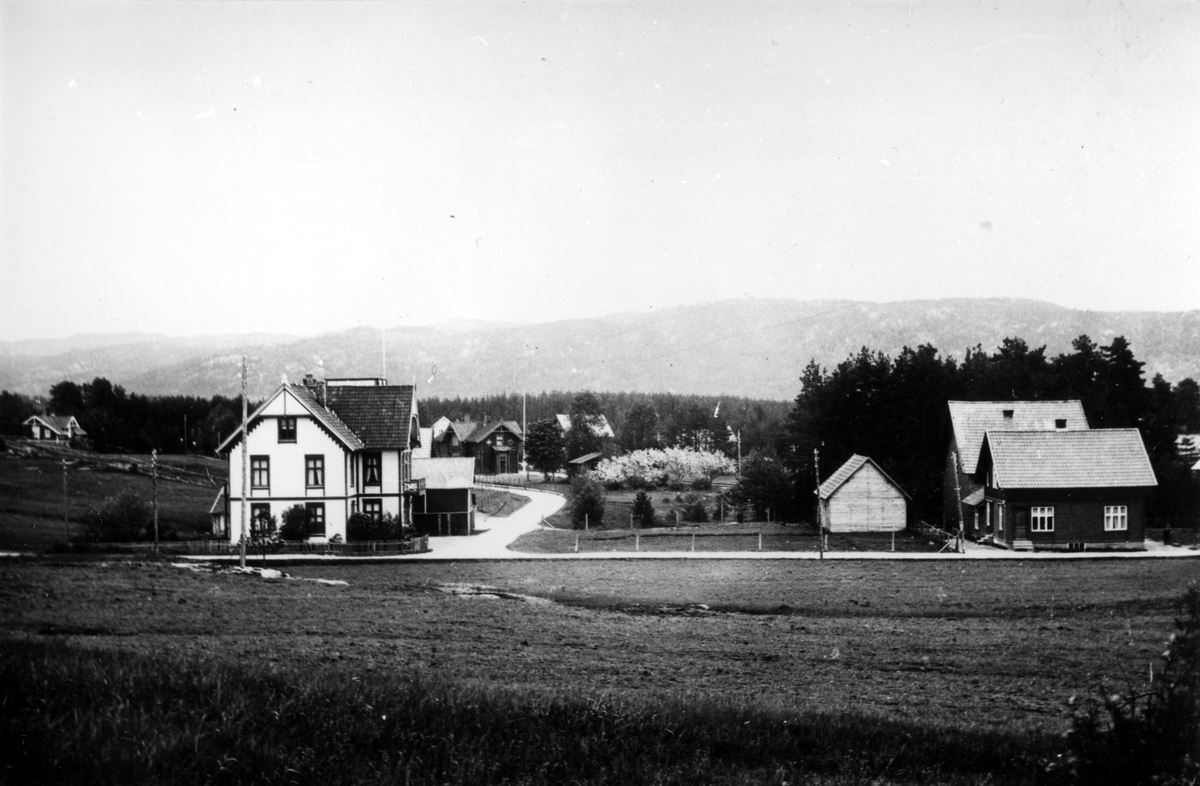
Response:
column 860, row 497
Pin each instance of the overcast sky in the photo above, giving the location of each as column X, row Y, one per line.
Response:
column 192, row 168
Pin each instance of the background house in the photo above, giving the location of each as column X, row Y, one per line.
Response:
column 494, row 445
column 58, row 428
column 1066, row 490
column 860, row 497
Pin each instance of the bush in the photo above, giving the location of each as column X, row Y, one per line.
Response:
column 121, row 519
column 643, row 509
column 586, row 501
column 295, row 524
column 702, row 484
column 1146, row 736
column 365, row 527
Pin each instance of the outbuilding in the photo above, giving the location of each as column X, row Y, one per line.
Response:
column 860, row 497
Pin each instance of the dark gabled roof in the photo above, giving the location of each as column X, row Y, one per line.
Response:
column 1104, row 458
column 484, row 430
column 970, row 419
column 381, row 415
column 323, row 416
column 846, row 471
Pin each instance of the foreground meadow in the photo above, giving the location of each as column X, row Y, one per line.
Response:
column 601, row 672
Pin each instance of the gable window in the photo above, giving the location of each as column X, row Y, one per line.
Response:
column 260, row 518
column 1116, row 518
column 372, row 469
column 1041, row 519
column 260, row 472
column 314, row 471
column 314, row 518
column 373, row 508
column 287, row 429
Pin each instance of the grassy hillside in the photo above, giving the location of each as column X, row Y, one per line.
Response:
column 31, row 495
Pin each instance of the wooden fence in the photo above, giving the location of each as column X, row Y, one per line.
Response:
column 416, row 545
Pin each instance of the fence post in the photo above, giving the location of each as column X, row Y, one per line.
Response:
column 576, row 542
column 760, row 541
column 637, row 542
column 893, row 540
column 693, row 541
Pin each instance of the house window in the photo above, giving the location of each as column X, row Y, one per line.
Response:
column 314, row 471
column 260, row 472
column 314, row 518
column 1116, row 518
column 372, row 469
column 1041, row 519
column 373, row 508
column 1060, row 423
column 287, row 429
column 260, row 518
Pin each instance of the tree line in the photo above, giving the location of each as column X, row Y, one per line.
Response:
column 118, row 421
column 894, row 410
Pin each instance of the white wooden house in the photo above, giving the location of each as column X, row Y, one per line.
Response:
column 860, row 497
column 336, row 447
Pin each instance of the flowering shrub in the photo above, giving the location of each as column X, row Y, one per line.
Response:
column 653, row 467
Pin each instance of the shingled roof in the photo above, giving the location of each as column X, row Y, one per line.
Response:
column 445, row 473
column 846, row 471
column 970, row 419
column 381, row 415
column 1104, row 458
column 484, row 430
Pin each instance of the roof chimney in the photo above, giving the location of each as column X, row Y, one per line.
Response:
column 1008, row 414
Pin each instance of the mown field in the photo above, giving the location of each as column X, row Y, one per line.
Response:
column 598, row 672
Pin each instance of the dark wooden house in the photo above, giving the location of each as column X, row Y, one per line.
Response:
column 1065, row 490
column 495, row 445
column 967, row 422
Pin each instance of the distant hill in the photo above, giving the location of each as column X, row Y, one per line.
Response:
column 753, row 348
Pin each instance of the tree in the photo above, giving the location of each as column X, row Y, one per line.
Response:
column 583, row 438
column 66, row 398
column 766, row 483
column 586, row 502
column 640, row 431
column 544, row 447
column 643, row 509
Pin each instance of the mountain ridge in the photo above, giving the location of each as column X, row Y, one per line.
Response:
column 749, row 347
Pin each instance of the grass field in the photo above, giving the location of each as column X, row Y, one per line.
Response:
column 924, row 672
column 31, row 499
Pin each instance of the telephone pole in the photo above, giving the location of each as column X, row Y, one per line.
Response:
column 154, row 485
column 66, row 523
column 820, row 524
column 245, row 463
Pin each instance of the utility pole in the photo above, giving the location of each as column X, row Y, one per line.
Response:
column 820, row 524
column 245, row 463
column 154, row 485
column 739, row 448
column 66, row 524
column 524, row 435
column 185, row 436
column 962, row 549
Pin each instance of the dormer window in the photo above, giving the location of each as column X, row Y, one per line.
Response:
column 1060, row 423
column 287, row 429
